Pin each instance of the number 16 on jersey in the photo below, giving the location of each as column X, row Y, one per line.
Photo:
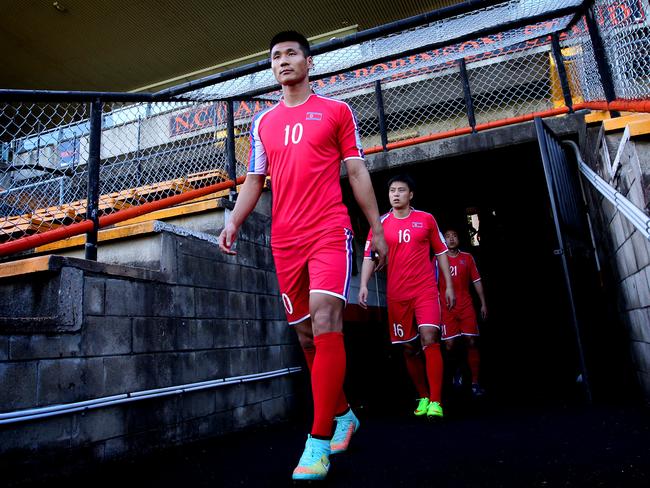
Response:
column 404, row 236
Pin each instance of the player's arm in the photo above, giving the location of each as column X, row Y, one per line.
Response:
column 246, row 200
column 365, row 197
column 367, row 269
column 478, row 286
column 443, row 265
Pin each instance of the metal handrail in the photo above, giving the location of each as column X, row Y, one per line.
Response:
column 83, row 406
column 634, row 214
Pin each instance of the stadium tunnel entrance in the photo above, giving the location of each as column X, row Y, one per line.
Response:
column 528, row 346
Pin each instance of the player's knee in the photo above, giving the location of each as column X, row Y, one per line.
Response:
column 326, row 319
column 471, row 341
column 450, row 344
column 429, row 336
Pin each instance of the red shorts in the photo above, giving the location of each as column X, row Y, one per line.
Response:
column 425, row 309
column 322, row 265
column 459, row 321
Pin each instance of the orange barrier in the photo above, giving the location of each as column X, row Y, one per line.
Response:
column 618, row 105
column 29, row 242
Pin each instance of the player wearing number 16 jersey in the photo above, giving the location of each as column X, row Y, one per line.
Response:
column 412, row 292
column 300, row 143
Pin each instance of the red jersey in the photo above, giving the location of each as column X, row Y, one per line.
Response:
column 410, row 239
column 301, row 148
column 463, row 271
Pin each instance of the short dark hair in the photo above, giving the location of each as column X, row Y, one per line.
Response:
column 404, row 178
column 291, row 36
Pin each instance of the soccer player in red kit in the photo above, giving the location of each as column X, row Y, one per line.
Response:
column 460, row 321
column 300, row 143
column 412, row 292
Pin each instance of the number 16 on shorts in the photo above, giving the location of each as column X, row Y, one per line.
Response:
column 398, row 330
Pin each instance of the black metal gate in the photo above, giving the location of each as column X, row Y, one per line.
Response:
column 574, row 246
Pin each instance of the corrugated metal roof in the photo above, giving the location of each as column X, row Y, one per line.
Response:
column 122, row 45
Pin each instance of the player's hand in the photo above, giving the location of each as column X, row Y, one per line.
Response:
column 484, row 313
column 450, row 298
column 227, row 238
column 381, row 248
column 363, row 297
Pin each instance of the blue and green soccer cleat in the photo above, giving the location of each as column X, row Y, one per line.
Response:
column 315, row 460
column 346, row 425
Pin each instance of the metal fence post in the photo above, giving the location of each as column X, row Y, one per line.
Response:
column 94, row 146
column 469, row 103
column 379, row 98
column 230, row 148
column 601, row 58
column 561, row 71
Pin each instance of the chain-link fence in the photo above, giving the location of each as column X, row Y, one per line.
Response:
column 493, row 64
column 625, row 30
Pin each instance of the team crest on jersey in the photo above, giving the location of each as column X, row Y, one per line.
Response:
column 417, row 225
column 314, row 116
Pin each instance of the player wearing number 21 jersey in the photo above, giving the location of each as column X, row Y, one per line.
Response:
column 412, row 294
column 460, row 323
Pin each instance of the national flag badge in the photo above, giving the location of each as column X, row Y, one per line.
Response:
column 417, row 225
column 314, row 116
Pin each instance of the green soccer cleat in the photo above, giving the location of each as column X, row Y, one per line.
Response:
column 434, row 411
column 421, row 409
column 315, row 460
column 346, row 425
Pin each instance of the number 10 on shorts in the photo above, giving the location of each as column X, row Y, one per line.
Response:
column 398, row 330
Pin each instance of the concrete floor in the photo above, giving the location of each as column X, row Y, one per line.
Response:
column 485, row 445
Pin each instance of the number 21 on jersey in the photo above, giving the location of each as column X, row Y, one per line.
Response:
column 295, row 132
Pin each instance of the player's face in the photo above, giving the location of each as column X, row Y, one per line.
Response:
column 289, row 64
column 399, row 195
column 452, row 239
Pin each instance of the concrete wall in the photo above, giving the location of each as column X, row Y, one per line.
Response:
column 623, row 250
column 84, row 330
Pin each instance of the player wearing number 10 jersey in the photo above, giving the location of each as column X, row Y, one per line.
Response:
column 412, row 292
column 300, row 143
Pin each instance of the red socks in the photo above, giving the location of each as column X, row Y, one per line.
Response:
column 474, row 361
column 327, row 375
column 433, row 360
column 342, row 402
column 415, row 368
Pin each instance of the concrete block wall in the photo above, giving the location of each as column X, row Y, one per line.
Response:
column 622, row 248
column 83, row 330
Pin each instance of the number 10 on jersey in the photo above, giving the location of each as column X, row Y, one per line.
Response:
column 295, row 131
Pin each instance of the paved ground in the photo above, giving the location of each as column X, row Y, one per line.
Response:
column 494, row 446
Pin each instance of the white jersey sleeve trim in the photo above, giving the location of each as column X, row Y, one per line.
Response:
column 258, row 163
